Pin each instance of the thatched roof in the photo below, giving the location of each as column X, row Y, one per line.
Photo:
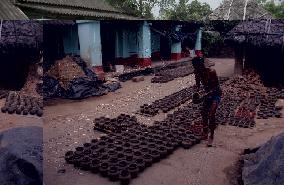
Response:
column 261, row 33
column 239, row 10
column 21, row 34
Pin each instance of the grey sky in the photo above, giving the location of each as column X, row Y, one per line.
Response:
column 213, row 3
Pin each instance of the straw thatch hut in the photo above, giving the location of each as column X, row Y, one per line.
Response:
column 239, row 10
column 259, row 44
column 20, row 46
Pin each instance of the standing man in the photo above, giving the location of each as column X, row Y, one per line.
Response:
column 208, row 78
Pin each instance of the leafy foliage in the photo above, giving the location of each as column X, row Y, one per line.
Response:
column 183, row 10
column 276, row 10
column 140, row 8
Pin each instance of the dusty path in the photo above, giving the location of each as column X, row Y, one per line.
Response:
column 68, row 124
column 8, row 121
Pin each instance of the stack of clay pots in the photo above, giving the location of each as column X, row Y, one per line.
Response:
column 124, row 154
column 168, row 102
column 3, row 93
column 165, row 76
column 117, row 125
column 267, row 108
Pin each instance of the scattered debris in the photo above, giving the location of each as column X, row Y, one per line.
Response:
column 138, row 79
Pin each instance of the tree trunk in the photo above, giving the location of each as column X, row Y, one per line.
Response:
column 238, row 60
column 141, row 7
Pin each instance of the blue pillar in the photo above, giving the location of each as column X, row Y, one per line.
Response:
column 90, row 42
column 155, row 39
column 125, row 50
column 176, row 48
column 144, row 45
column 118, row 44
column 198, row 40
column 71, row 41
column 132, row 42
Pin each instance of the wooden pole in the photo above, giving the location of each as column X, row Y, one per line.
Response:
column 238, row 59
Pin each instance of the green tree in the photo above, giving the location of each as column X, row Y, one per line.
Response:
column 261, row 1
column 274, row 9
column 140, row 8
column 183, row 10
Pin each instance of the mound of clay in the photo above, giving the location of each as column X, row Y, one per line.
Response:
column 266, row 166
column 65, row 71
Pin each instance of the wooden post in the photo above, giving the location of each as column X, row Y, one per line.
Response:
column 238, row 59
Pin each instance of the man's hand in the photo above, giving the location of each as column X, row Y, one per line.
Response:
column 196, row 88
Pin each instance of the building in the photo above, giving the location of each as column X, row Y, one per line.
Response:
column 105, row 43
column 20, row 46
column 259, row 44
column 109, row 40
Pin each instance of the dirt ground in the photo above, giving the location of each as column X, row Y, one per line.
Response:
column 68, row 124
column 8, row 121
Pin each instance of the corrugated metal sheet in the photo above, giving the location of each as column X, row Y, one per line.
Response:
column 86, row 4
column 59, row 22
column 10, row 12
column 66, row 12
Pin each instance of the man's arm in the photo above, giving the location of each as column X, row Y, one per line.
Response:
column 197, row 80
column 215, row 86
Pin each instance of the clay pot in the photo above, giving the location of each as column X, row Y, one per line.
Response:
column 135, row 147
column 155, row 155
column 104, row 158
column 140, row 163
column 4, row 109
column 119, row 149
column 113, row 173
column 137, row 154
column 129, row 158
column 148, row 160
column 87, row 151
column 104, row 168
column 69, row 157
column 18, row 111
column 163, row 151
column 39, row 113
column 124, row 177
column 122, row 164
column 87, row 145
column 133, row 169
column 11, row 110
column 76, row 160
column 32, row 111
column 126, row 145
column 128, row 151
column 85, row 164
column 120, row 156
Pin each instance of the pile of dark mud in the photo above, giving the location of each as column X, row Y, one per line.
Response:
column 266, row 165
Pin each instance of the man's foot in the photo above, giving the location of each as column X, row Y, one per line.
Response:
column 210, row 142
column 204, row 136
